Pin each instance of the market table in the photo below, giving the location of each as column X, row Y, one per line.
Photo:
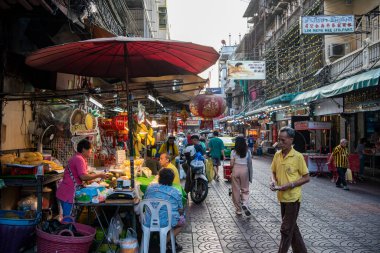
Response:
column 316, row 163
column 98, row 209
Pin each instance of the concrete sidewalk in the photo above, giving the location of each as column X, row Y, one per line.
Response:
column 331, row 220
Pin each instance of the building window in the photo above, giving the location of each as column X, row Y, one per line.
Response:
column 162, row 15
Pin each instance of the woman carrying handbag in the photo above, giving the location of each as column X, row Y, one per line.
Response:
column 241, row 163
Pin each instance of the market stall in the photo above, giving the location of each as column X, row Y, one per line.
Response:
column 315, row 159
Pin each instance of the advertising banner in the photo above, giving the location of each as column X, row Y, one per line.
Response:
column 214, row 90
column 327, row 24
column 246, row 70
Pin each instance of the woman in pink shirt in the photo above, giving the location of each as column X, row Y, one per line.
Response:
column 75, row 170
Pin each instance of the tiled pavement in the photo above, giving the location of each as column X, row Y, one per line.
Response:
column 331, row 220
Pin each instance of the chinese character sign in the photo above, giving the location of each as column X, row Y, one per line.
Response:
column 327, row 24
column 246, row 70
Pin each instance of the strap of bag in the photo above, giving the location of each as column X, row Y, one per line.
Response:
column 72, row 177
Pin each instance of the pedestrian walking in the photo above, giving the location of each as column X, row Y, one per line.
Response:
column 360, row 150
column 251, row 143
column 216, row 147
column 241, row 164
column 289, row 172
column 340, row 156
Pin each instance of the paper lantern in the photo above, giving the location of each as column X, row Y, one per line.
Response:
column 120, row 122
column 207, row 106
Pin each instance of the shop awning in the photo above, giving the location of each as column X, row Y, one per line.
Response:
column 356, row 82
column 284, row 98
column 262, row 109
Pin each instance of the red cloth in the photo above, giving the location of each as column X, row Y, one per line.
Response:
column 78, row 166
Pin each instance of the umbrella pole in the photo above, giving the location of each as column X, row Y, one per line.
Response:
column 130, row 121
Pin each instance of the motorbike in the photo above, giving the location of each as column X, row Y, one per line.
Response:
column 199, row 182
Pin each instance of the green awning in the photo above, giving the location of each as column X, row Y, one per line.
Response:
column 356, row 82
column 284, row 98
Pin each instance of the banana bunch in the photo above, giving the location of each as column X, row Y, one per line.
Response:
column 7, row 158
column 29, row 158
column 150, row 138
column 53, row 165
column 137, row 144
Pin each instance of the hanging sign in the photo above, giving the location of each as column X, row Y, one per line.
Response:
column 246, row 70
column 327, row 24
column 311, row 125
column 82, row 123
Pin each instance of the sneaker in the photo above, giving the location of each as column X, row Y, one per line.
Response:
column 217, row 178
column 238, row 212
column 346, row 188
column 246, row 210
column 339, row 186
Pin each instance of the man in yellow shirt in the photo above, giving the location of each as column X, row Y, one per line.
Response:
column 340, row 156
column 289, row 172
column 165, row 163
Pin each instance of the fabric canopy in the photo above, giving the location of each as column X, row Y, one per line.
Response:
column 363, row 80
column 262, row 109
column 284, row 98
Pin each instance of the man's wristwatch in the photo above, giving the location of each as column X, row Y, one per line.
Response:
column 292, row 185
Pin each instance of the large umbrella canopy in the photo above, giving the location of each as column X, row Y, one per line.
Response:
column 120, row 57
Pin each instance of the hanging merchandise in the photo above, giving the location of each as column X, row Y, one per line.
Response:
column 82, row 123
column 140, row 113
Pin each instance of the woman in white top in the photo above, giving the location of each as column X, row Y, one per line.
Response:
column 241, row 164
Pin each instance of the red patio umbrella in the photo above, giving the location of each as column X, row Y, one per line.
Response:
column 124, row 58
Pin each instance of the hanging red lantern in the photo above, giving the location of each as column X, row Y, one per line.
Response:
column 207, row 106
column 105, row 124
column 120, row 122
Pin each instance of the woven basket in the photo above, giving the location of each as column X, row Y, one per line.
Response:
column 48, row 243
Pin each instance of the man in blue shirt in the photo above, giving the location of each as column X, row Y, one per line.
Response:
column 216, row 147
column 164, row 190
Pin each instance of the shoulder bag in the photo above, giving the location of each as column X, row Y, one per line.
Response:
column 249, row 165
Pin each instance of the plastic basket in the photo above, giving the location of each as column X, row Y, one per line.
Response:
column 47, row 243
column 15, row 232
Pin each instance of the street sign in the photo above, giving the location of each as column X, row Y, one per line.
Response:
column 327, row 24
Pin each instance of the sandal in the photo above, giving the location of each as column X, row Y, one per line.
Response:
column 178, row 247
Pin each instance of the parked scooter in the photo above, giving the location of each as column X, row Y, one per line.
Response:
column 199, row 182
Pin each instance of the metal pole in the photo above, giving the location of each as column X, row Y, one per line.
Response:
column 130, row 120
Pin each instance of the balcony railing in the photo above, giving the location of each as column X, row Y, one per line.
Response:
column 357, row 61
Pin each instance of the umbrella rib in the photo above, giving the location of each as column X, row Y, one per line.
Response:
column 171, row 54
column 100, row 55
column 179, row 47
column 71, row 54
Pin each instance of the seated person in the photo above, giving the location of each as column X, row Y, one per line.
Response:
column 165, row 191
column 165, row 163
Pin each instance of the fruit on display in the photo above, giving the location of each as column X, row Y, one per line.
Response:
column 7, row 158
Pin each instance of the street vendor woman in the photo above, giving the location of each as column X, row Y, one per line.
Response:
column 76, row 169
column 170, row 148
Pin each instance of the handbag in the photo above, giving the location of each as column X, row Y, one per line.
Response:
column 249, row 164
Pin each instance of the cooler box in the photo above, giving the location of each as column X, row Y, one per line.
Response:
column 227, row 170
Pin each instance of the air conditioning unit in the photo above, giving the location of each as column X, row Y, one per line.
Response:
column 338, row 49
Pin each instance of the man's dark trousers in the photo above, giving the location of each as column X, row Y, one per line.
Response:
column 290, row 233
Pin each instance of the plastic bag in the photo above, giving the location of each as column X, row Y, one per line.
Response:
column 130, row 244
column 28, row 203
column 210, row 170
column 349, row 175
column 182, row 174
column 115, row 229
